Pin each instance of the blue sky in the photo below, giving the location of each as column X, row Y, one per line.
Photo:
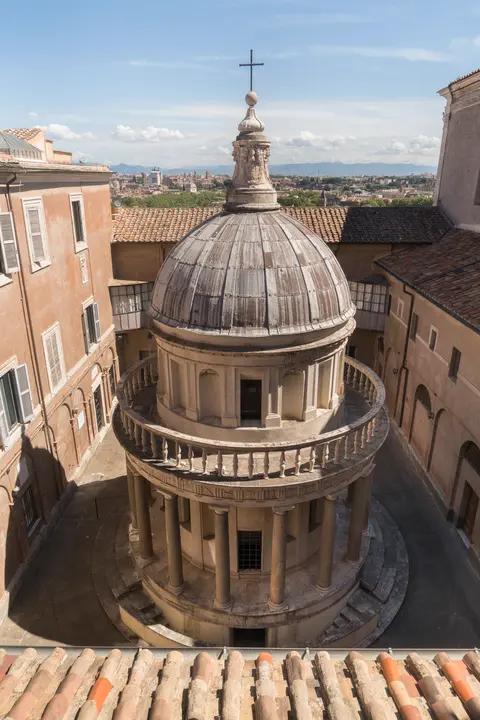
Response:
column 158, row 83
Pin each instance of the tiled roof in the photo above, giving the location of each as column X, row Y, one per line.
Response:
column 333, row 225
column 23, row 133
column 234, row 685
column 448, row 273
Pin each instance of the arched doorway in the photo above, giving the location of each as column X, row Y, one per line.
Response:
column 421, row 427
column 468, row 482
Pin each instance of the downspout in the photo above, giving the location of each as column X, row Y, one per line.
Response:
column 30, row 334
column 404, row 368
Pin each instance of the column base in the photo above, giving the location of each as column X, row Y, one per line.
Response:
column 323, row 590
column 352, row 562
column 223, row 606
column 143, row 562
column 175, row 590
column 275, row 607
column 273, row 420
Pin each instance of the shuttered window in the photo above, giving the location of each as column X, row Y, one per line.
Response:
column 16, row 404
column 54, row 357
column 91, row 325
column 37, row 239
column 8, row 245
column 78, row 219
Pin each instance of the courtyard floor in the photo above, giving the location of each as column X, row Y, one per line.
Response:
column 57, row 603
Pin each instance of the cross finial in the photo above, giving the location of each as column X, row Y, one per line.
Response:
column 251, row 65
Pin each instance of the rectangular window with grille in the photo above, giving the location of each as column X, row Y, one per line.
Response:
column 29, row 508
column 91, row 325
column 249, row 550
column 369, row 296
column 432, row 341
column 36, row 233
column 78, row 221
column 52, row 344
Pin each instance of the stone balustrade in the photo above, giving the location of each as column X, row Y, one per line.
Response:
column 199, row 457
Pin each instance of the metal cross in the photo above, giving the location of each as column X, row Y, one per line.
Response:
column 251, row 65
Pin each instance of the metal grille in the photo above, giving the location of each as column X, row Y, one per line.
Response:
column 29, row 508
column 249, row 550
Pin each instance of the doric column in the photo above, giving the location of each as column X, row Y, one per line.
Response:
column 349, row 498
column 357, row 519
column 222, row 559
column 279, row 559
column 131, row 498
column 142, row 505
column 368, row 501
column 327, row 542
column 174, row 547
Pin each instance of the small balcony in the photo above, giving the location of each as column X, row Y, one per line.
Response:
column 328, row 460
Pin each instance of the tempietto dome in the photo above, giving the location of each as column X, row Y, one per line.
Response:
column 251, row 269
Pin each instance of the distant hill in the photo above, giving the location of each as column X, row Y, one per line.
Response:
column 336, row 169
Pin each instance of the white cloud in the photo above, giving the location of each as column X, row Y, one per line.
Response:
column 309, row 19
column 224, row 150
column 394, row 147
column 56, row 131
column 306, row 139
column 167, row 64
column 150, row 134
column 424, row 145
column 33, row 114
column 410, row 54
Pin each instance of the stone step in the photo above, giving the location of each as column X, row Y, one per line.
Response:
column 385, row 584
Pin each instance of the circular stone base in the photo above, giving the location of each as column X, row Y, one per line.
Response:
column 370, row 609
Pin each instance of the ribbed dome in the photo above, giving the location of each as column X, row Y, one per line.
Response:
column 251, row 274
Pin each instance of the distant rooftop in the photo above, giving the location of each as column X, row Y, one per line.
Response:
column 14, row 145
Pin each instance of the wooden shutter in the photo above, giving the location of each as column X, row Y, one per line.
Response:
column 35, row 227
column 86, row 332
column 96, row 317
column 53, row 359
column 24, row 392
column 8, row 243
column 3, row 425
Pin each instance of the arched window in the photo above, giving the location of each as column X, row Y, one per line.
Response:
column 292, row 395
column 210, row 394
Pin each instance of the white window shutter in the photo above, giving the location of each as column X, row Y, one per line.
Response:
column 23, row 386
column 96, row 317
column 3, row 426
column 8, row 243
column 86, row 333
column 36, row 237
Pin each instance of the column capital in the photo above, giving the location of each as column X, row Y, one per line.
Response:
column 219, row 509
column 283, row 510
column 167, row 495
column 330, row 498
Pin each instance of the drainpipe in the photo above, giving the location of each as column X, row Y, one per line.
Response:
column 31, row 336
column 404, row 368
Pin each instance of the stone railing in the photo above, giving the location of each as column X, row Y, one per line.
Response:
column 195, row 456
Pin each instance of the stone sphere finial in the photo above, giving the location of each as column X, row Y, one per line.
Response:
column 251, row 98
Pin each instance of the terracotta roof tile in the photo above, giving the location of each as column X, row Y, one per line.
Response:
column 448, row 273
column 348, row 225
column 23, row 133
column 307, row 684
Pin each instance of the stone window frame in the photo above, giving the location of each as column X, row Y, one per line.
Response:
column 54, row 329
column 433, row 330
column 9, row 259
column 10, row 437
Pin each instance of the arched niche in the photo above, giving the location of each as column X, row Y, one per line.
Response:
column 178, row 398
column 421, row 426
column 292, row 395
column 210, row 396
column 468, row 483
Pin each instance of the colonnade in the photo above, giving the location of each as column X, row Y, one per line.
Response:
column 358, row 499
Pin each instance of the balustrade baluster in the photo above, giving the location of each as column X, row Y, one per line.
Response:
column 346, row 448
column 178, row 454
column 337, row 449
column 190, row 459
column 219, row 463
column 369, row 431
column 355, row 442
column 153, row 440
column 204, row 461
column 325, row 454
column 363, row 439
column 298, row 458
column 250, row 466
column 131, row 430
column 374, row 426
column 235, row 466
column 138, row 435
column 283, row 464
column 311, row 463
column 266, row 465
column 165, row 449
column 145, row 440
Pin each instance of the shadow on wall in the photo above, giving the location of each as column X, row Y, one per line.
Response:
column 53, row 595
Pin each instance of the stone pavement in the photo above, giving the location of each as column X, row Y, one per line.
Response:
column 57, row 603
